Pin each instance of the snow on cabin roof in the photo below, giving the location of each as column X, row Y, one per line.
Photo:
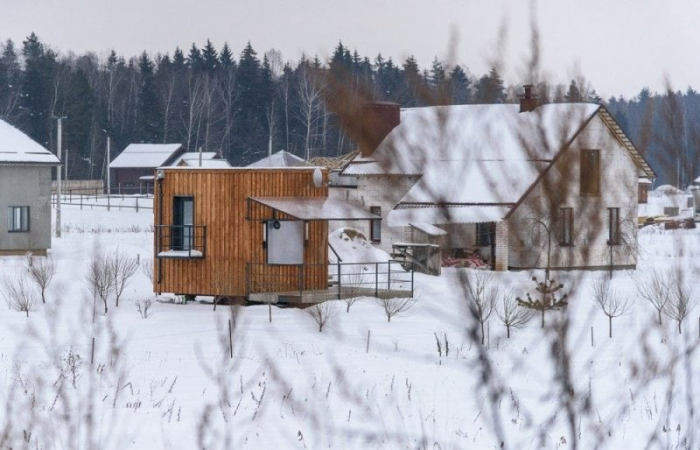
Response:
column 18, row 148
column 144, row 156
column 315, row 208
column 186, row 157
column 441, row 215
column 280, row 159
column 206, row 163
column 467, row 152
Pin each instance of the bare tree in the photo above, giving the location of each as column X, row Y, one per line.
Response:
column 147, row 269
column 42, row 271
column 322, row 312
column 653, row 287
column 144, row 308
column 511, row 314
column 681, row 299
column 481, row 296
column 100, row 277
column 309, row 89
column 351, row 287
column 19, row 294
column 611, row 302
column 397, row 306
column 123, row 268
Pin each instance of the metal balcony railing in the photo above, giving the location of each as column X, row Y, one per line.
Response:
column 181, row 241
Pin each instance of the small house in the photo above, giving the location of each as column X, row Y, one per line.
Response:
column 133, row 169
column 252, row 233
column 25, row 193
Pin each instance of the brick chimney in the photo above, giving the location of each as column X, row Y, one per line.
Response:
column 528, row 101
column 378, row 119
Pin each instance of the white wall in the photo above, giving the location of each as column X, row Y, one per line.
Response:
column 561, row 188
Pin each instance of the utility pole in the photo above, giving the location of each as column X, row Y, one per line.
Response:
column 109, row 160
column 58, row 175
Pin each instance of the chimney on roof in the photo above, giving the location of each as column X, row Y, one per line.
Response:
column 528, row 101
column 378, row 119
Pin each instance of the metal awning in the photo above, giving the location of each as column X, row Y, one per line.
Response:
column 440, row 215
column 315, row 208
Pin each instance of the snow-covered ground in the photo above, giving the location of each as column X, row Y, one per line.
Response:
column 168, row 381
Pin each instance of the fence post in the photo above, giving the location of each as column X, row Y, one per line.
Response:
column 592, row 341
column 388, row 276
column 137, row 204
column 108, row 206
column 339, row 285
column 376, row 279
column 368, row 333
column 412, row 272
column 81, row 201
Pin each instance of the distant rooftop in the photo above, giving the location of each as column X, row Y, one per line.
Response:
column 144, row 156
column 280, row 159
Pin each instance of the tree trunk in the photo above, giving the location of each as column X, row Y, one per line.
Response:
column 320, row 328
column 269, row 310
column 659, row 311
column 679, row 325
column 610, row 327
column 542, row 324
column 482, row 333
column 348, row 308
column 27, row 310
column 388, row 318
column 508, row 331
column 43, row 299
column 105, row 302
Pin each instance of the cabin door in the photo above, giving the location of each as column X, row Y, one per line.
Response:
column 183, row 222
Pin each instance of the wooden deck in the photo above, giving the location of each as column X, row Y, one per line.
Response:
column 321, row 295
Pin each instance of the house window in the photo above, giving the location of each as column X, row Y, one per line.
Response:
column 484, row 234
column 613, row 226
column 18, row 219
column 566, row 226
column 375, row 230
column 643, row 193
column 590, row 173
column 183, row 223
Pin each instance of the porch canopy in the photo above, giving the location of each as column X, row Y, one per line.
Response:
column 410, row 215
column 315, row 208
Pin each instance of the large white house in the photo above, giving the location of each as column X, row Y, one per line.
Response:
column 527, row 186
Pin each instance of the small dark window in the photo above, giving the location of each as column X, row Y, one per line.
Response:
column 484, row 234
column 643, row 193
column 18, row 219
column 590, row 173
column 566, row 226
column 375, row 231
column 183, row 237
column 613, row 226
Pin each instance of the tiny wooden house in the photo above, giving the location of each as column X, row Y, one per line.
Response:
column 234, row 231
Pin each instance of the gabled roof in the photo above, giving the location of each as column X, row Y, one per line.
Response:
column 144, row 156
column 17, row 148
column 206, row 163
column 280, row 159
column 474, row 154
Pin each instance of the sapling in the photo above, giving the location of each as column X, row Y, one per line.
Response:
column 481, row 296
column 321, row 313
column 681, row 300
column 396, row 307
column 19, row 294
column 41, row 271
column 547, row 289
column 611, row 302
column 653, row 287
column 511, row 314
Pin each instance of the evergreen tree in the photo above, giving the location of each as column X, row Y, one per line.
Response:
column 459, row 86
column 226, row 57
column 250, row 126
column 194, row 59
column 149, row 121
column 210, row 58
column 573, row 95
column 490, row 88
column 37, row 90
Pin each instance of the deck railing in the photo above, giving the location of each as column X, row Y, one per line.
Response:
column 181, row 241
column 341, row 280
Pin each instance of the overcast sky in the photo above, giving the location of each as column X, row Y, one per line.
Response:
column 618, row 45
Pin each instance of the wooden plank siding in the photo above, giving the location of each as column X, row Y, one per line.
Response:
column 233, row 238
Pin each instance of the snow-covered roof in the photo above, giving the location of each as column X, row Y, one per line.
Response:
column 316, row 208
column 465, row 152
column 144, row 156
column 206, row 163
column 280, row 159
column 18, row 148
column 440, row 215
column 644, row 180
column 187, row 157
